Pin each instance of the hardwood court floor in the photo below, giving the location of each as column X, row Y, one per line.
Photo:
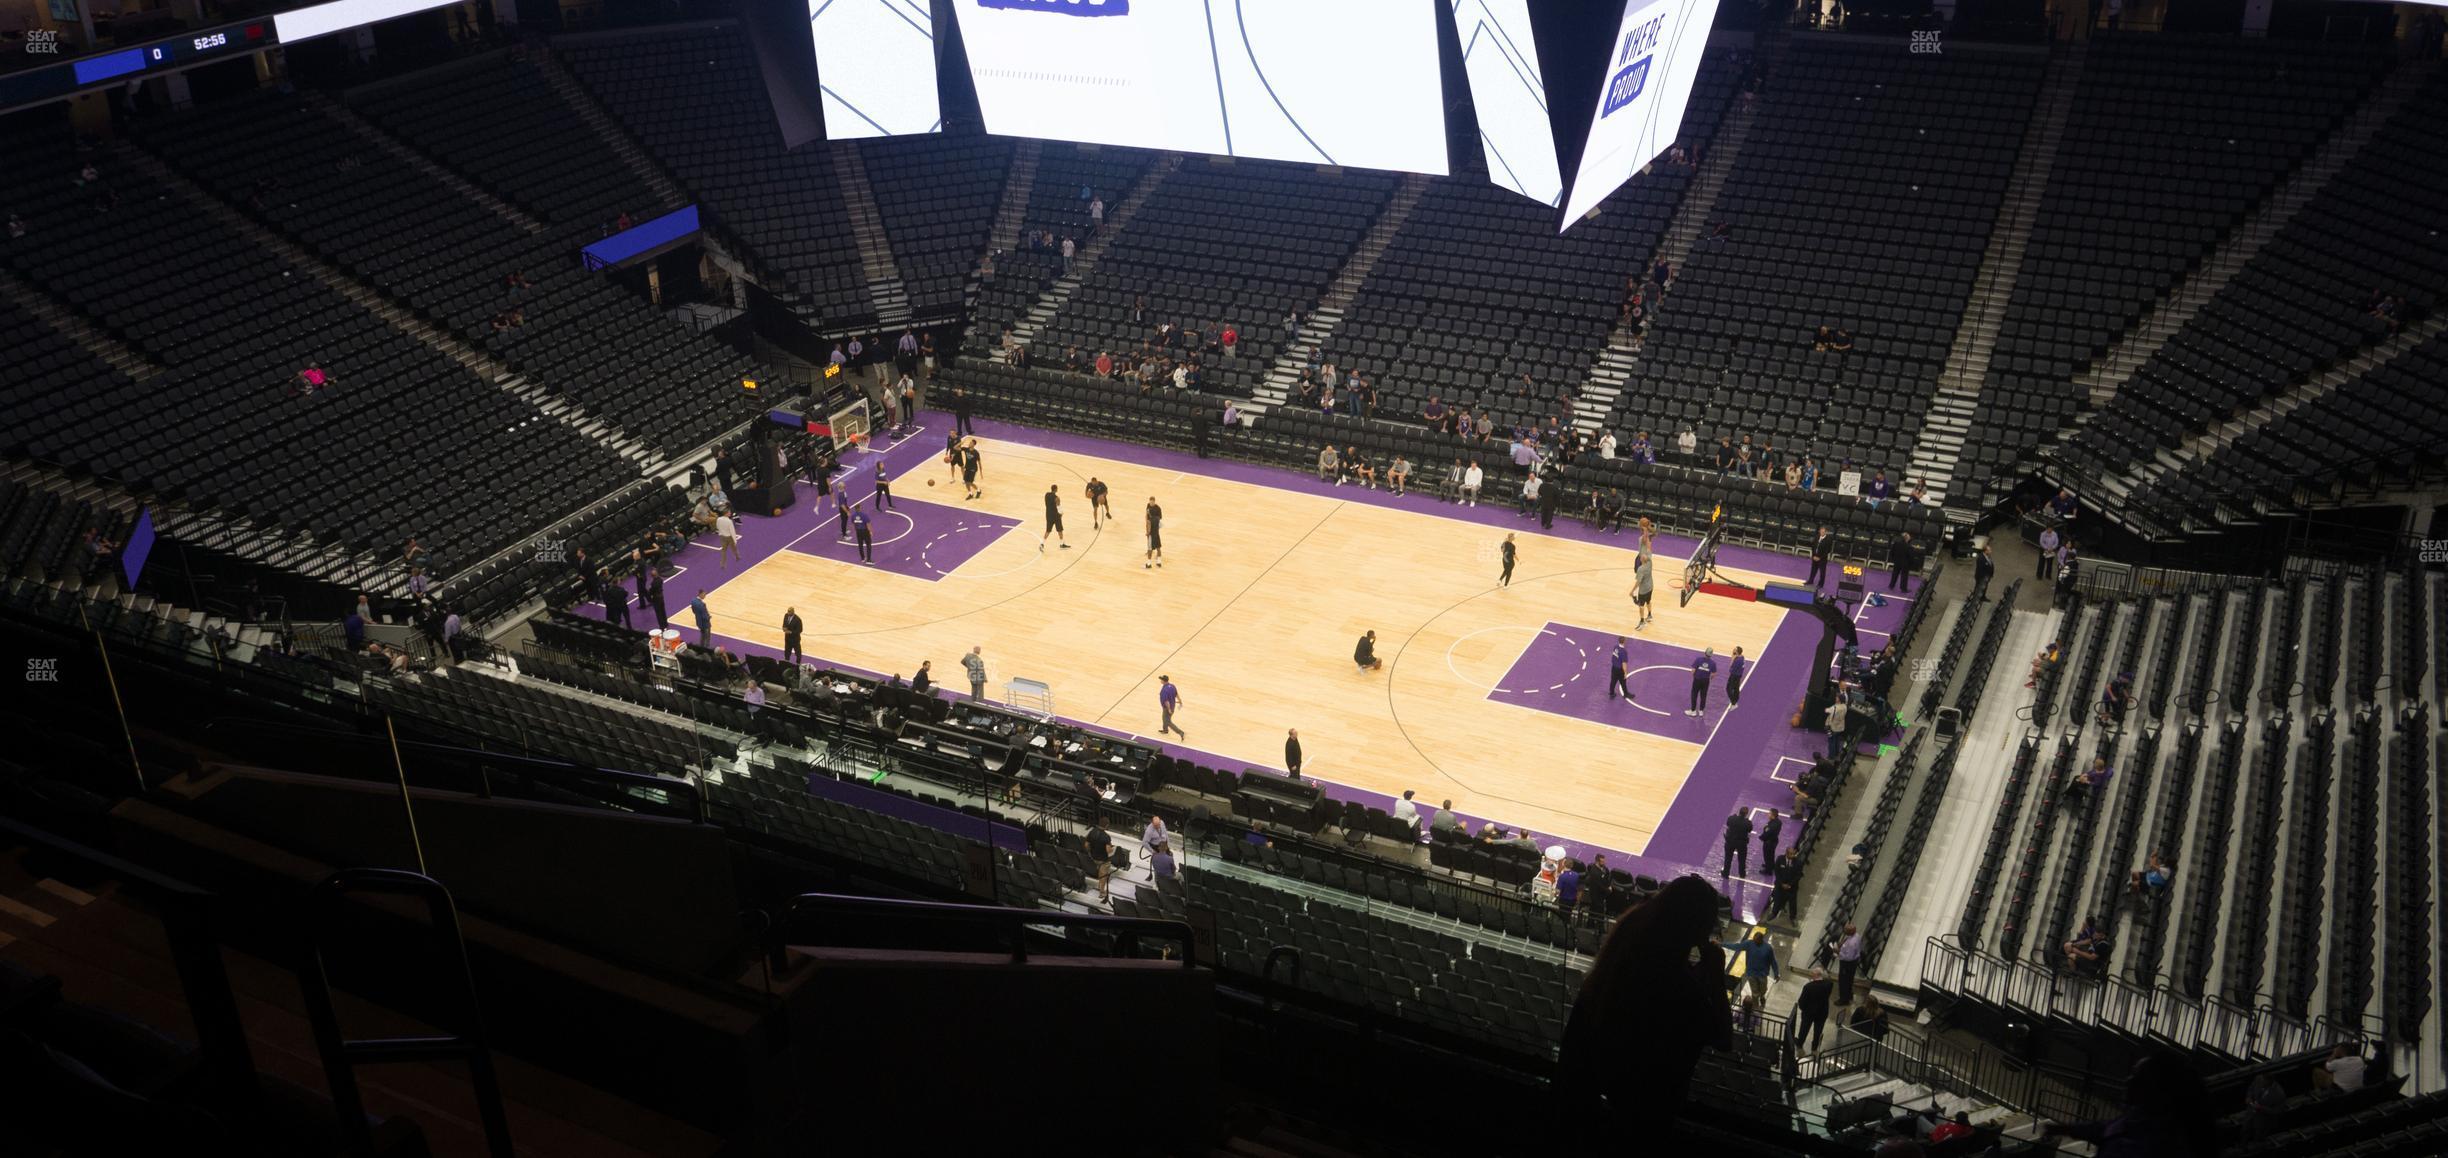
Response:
column 1254, row 615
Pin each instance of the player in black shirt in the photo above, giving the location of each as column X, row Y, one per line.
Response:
column 1155, row 533
column 1098, row 509
column 1053, row 519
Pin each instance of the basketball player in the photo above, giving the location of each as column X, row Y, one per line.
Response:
column 883, row 487
column 1644, row 582
column 1053, row 519
column 969, row 468
column 1155, row 535
column 866, row 537
column 1098, row 509
column 1619, row 671
column 1168, row 697
column 1506, row 579
column 952, row 457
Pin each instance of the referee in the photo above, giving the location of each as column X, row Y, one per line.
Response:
column 1053, row 519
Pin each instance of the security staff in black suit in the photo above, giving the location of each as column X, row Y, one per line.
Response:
column 1292, row 751
column 1820, row 548
column 650, row 594
column 790, row 634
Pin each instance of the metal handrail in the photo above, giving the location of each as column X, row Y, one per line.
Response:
column 1008, row 919
column 676, row 786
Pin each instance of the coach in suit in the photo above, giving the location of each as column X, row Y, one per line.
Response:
column 1820, row 547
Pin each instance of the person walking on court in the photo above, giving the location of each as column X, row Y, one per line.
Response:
column 1734, row 678
column 1506, row 549
column 975, row 664
column 1703, row 669
column 864, row 528
column 790, row 634
column 1619, row 670
column 969, row 469
column 1768, row 834
column 1551, row 495
column 1821, row 548
column 1737, row 845
column 883, row 487
column 1098, row 509
column 728, row 532
column 1155, row 535
column 1292, row 751
column 1904, row 559
column 1644, row 582
column 1168, row 698
column 1053, row 500
column 705, row 619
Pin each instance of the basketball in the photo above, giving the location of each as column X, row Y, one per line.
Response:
column 930, row 482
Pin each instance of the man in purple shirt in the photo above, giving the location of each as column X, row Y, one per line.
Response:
column 1879, row 489
column 1734, row 678
column 1168, row 697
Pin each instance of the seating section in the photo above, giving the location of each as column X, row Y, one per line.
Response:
column 2389, row 423
column 2169, row 144
column 523, row 717
column 937, row 195
column 1054, row 207
column 406, row 443
column 44, row 535
column 2301, row 305
column 417, row 240
column 1238, row 244
column 1862, row 200
column 693, row 96
column 536, row 153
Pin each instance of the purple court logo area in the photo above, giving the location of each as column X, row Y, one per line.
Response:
column 1563, row 671
column 913, row 537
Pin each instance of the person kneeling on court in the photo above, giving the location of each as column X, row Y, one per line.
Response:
column 1365, row 654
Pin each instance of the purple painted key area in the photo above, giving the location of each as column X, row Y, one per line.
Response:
column 1750, row 754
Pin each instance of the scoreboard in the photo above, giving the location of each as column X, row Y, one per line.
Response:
column 117, row 64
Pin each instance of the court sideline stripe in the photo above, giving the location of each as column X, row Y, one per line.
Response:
column 1229, row 604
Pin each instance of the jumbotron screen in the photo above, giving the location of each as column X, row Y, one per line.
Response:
column 875, row 67
column 1330, row 82
column 1658, row 48
column 1502, row 62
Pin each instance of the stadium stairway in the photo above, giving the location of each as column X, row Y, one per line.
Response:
column 1004, row 235
column 1084, row 258
column 2110, row 373
column 616, row 139
column 884, row 286
column 1938, row 452
column 1594, row 403
column 1320, row 323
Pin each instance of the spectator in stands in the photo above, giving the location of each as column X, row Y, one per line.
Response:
column 1330, row 464
column 2085, row 950
column 1725, row 456
column 2063, row 507
column 452, row 639
column 2264, row 1104
column 1070, row 249
column 1472, row 478
column 2163, row 1118
column 311, row 381
column 1448, row 823
column 1228, row 340
column 2115, row 701
column 1878, row 490
column 1359, row 468
column 1406, row 811
column 1483, row 427
column 16, row 227
column 1644, row 1013
column 2150, row 882
column 1843, row 343
column 1959, row 1126
column 2045, row 662
column 1848, row 952
column 1607, row 510
column 754, row 697
column 2069, row 571
column 1568, row 885
column 1398, row 475
column 2049, row 542
column 1869, row 1018
column 2087, row 783
column 2345, row 1068
column 1155, row 833
column 1100, row 849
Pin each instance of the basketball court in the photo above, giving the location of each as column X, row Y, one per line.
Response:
column 1492, row 696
